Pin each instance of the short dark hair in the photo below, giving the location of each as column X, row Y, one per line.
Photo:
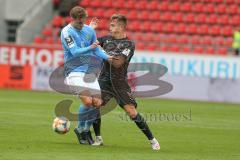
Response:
column 78, row 12
column 120, row 18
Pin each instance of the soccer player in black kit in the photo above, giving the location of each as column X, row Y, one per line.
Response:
column 113, row 77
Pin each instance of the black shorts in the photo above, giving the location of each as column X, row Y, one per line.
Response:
column 118, row 89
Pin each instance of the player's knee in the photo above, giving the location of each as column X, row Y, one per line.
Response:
column 131, row 111
column 87, row 102
column 97, row 102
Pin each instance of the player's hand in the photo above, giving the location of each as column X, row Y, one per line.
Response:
column 94, row 45
column 117, row 61
column 110, row 59
column 94, row 23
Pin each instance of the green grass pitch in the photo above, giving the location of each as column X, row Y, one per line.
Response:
column 210, row 132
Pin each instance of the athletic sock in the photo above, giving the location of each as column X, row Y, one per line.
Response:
column 81, row 121
column 141, row 123
column 97, row 126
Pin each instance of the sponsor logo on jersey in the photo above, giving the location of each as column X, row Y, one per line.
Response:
column 69, row 41
column 126, row 52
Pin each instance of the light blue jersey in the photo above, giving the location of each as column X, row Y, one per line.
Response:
column 78, row 55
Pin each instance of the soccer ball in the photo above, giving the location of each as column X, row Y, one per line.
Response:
column 61, row 125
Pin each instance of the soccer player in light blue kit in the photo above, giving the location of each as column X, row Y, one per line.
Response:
column 82, row 57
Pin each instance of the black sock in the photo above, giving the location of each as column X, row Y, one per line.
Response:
column 97, row 126
column 141, row 123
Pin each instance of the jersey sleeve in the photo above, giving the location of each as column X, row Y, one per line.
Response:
column 70, row 43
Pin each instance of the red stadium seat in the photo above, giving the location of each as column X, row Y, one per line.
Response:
column 99, row 12
column 228, row 42
column 152, row 5
column 134, row 26
column 199, row 7
column 107, row 3
column 189, row 18
column 174, row 7
column 152, row 47
column 57, row 21
column 172, row 38
column 209, row 8
column 90, row 12
column 47, row 31
column 148, row 37
column 203, row 29
column 56, row 3
column 198, row 50
column 169, row 28
column 178, row 17
column 118, row 4
column 221, row 9
column 155, row 16
column 180, row 28
column 233, row 9
column 132, row 15
column 207, row 1
column 192, row 29
column 108, row 13
column 96, row 3
column 218, row 1
column 201, row 18
column 230, row 1
column 222, row 51
column 223, row 20
column 49, row 40
column 164, row 48
column 210, row 50
column 163, row 6
column 84, row 3
column 137, row 36
column 219, row 41
column 59, row 41
column 186, row 7
column 174, row 48
column 102, row 33
column 141, row 4
column 195, row 40
column 68, row 19
column 130, row 5
column 207, row 40
column 227, row 31
column 140, row 46
column 186, row 49
column 184, row 39
column 215, row 30
column 167, row 16
column 38, row 40
column 146, row 26
column 235, row 20
column 157, row 27
column 144, row 15
column 123, row 11
column 103, row 24
column 212, row 19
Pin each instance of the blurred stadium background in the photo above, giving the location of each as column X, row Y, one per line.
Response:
column 197, row 40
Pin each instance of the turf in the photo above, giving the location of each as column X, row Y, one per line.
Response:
column 186, row 130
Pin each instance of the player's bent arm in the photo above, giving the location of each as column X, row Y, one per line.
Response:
column 77, row 50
